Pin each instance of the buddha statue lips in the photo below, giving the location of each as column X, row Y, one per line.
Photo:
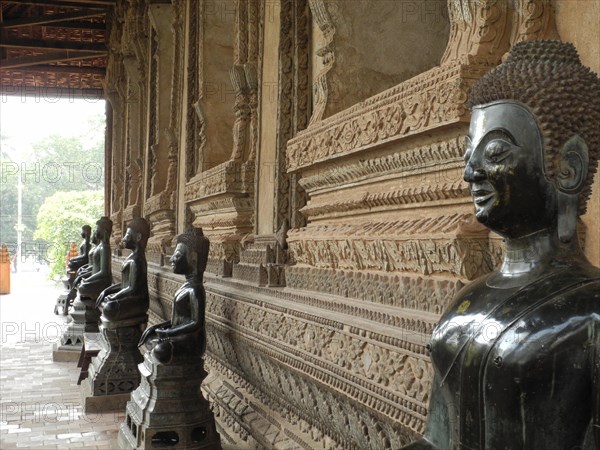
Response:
column 515, row 355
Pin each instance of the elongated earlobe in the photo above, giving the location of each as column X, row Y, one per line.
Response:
column 573, row 170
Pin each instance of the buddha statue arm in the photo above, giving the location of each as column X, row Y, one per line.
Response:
column 106, row 292
column 187, row 327
column 150, row 332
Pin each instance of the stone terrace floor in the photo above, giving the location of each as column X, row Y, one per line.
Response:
column 40, row 403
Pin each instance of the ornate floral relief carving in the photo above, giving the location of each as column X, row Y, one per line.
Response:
column 293, row 113
column 348, row 414
column 427, row 101
column 428, row 294
column 425, row 246
column 379, row 201
column 416, row 160
column 533, row 19
column 477, row 28
column 323, row 20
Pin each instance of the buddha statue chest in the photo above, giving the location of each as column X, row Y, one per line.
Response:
column 510, row 364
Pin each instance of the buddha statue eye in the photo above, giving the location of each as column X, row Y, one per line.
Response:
column 498, row 150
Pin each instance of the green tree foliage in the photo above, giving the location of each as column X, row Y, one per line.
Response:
column 59, row 222
column 57, row 163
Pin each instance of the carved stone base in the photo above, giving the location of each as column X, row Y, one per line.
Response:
column 169, row 410
column 219, row 267
column 114, row 371
column 96, row 404
column 262, row 263
column 66, row 353
column 84, row 320
column 62, row 301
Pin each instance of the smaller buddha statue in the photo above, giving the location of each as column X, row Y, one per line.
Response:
column 184, row 335
column 123, row 306
column 93, row 279
column 129, row 299
column 84, row 249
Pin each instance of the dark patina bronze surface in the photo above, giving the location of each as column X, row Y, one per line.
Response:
column 515, row 356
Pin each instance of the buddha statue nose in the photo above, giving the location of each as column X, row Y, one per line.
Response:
column 471, row 175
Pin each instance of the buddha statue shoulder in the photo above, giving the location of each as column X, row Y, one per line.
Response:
column 516, row 357
column 184, row 336
column 129, row 299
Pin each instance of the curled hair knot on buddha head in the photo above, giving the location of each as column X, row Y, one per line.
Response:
column 195, row 241
column 562, row 93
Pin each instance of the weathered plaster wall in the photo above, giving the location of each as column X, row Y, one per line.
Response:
column 218, row 96
column 578, row 21
column 373, row 45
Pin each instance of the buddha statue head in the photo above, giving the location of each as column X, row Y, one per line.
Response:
column 138, row 232
column 86, row 232
column 534, row 141
column 191, row 253
column 103, row 230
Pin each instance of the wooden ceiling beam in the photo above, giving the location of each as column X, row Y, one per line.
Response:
column 50, row 18
column 25, row 61
column 64, row 3
column 79, row 25
column 65, row 69
column 39, row 44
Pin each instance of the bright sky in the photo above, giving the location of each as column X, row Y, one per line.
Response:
column 25, row 120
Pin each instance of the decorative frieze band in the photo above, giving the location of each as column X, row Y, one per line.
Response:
column 425, row 246
column 430, row 100
column 414, row 161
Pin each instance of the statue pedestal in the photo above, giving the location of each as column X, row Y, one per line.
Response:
column 84, row 319
column 113, row 374
column 62, row 302
column 168, row 409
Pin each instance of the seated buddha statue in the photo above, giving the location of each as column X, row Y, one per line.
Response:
column 129, row 299
column 516, row 357
column 84, row 249
column 184, row 336
column 93, row 279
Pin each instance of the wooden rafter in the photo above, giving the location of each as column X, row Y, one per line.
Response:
column 78, row 25
column 64, row 3
column 47, row 58
column 66, row 69
column 43, row 44
column 50, row 18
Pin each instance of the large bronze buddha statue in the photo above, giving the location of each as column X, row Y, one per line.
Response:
column 183, row 336
column 516, row 357
column 168, row 408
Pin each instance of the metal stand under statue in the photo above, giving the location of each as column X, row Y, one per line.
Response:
column 113, row 374
column 91, row 280
column 516, row 357
column 168, row 408
column 74, row 264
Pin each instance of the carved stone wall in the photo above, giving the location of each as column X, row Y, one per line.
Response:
column 325, row 279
